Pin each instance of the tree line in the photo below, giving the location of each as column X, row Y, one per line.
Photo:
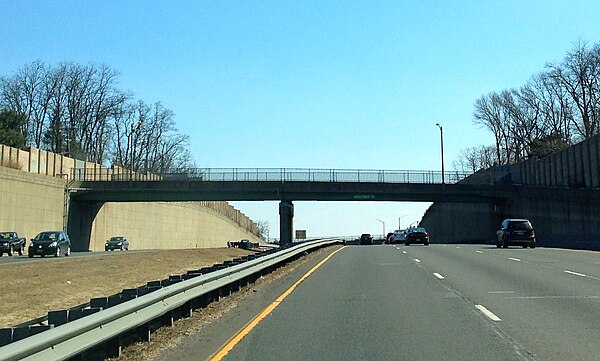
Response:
column 556, row 108
column 79, row 111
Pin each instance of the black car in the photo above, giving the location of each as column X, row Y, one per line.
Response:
column 10, row 242
column 246, row 244
column 366, row 238
column 53, row 243
column 515, row 231
column 116, row 243
column 416, row 235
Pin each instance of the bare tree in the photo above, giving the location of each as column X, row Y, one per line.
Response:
column 473, row 159
column 29, row 92
column 147, row 140
column 78, row 110
column 579, row 75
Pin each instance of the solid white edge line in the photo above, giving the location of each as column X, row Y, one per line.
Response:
column 417, row 260
column 439, row 276
column 514, row 259
column 488, row 313
column 575, row 273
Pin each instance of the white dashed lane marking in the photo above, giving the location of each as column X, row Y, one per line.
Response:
column 439, row 276
column 417, row 260
column 489, row 314
column 575, row 273
column 478, row 252
column 514, row 259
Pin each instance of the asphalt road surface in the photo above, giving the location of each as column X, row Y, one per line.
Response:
column 5, row 259
column 422, row 303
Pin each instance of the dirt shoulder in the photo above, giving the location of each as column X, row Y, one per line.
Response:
column 30, row 289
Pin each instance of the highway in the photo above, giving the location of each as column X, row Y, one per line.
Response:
column 441, row 302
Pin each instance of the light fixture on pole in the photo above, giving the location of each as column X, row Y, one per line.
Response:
column 399, row 218
column 383, row 223
column 442, row 148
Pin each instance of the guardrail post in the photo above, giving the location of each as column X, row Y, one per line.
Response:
column 186, row 310
column 167, row 319
column 113, row 347
column 143, row 332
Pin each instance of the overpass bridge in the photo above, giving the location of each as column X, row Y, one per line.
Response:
column 90, row 188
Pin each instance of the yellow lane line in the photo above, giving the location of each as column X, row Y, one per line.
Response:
column 224, row 350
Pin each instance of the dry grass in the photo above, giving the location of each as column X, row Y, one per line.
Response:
column 31, row 289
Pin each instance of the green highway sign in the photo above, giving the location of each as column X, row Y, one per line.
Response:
column 364, row 196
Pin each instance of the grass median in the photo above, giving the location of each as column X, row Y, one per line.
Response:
column 30, row 289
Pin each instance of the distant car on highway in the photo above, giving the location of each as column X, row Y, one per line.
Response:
column 53, row 243
column 416, row 235
column 116, row 243
column 388, row 237
column 366, row 238
column 11, row 242
column 515, row 231
column 398, row 236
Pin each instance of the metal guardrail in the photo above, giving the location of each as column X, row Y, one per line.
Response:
column 274, row 175
column 73, row 338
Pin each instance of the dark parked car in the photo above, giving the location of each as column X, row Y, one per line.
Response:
column 50, row 243
column 366, row 238
column 116, row 243
column 416, row 235
column 247, row 244
column 515, row 231
column 11, row 242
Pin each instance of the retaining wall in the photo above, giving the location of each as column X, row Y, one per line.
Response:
column 31, row 203
column 560, row 194
column 162, row 225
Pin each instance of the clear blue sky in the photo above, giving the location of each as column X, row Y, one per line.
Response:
column 315, row 84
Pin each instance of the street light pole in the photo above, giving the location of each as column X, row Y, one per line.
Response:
column 383, row 223
column 399, row 218
column 442, row 148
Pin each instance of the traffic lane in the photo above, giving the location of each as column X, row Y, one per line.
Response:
column 578, row 261
column 584, row 261
column 368, row 303
column 551, row 312
column 24, row 258
column 217, row 330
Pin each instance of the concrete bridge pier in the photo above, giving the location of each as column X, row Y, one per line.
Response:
column 286, row 223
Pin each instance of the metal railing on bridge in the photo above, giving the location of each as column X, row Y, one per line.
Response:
column 280, row 175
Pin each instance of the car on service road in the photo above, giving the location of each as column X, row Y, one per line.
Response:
column 51, row 243
column 116, row 243
column 515, row 231
column 366, row 238
column 416, row 235
column 10, row 242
